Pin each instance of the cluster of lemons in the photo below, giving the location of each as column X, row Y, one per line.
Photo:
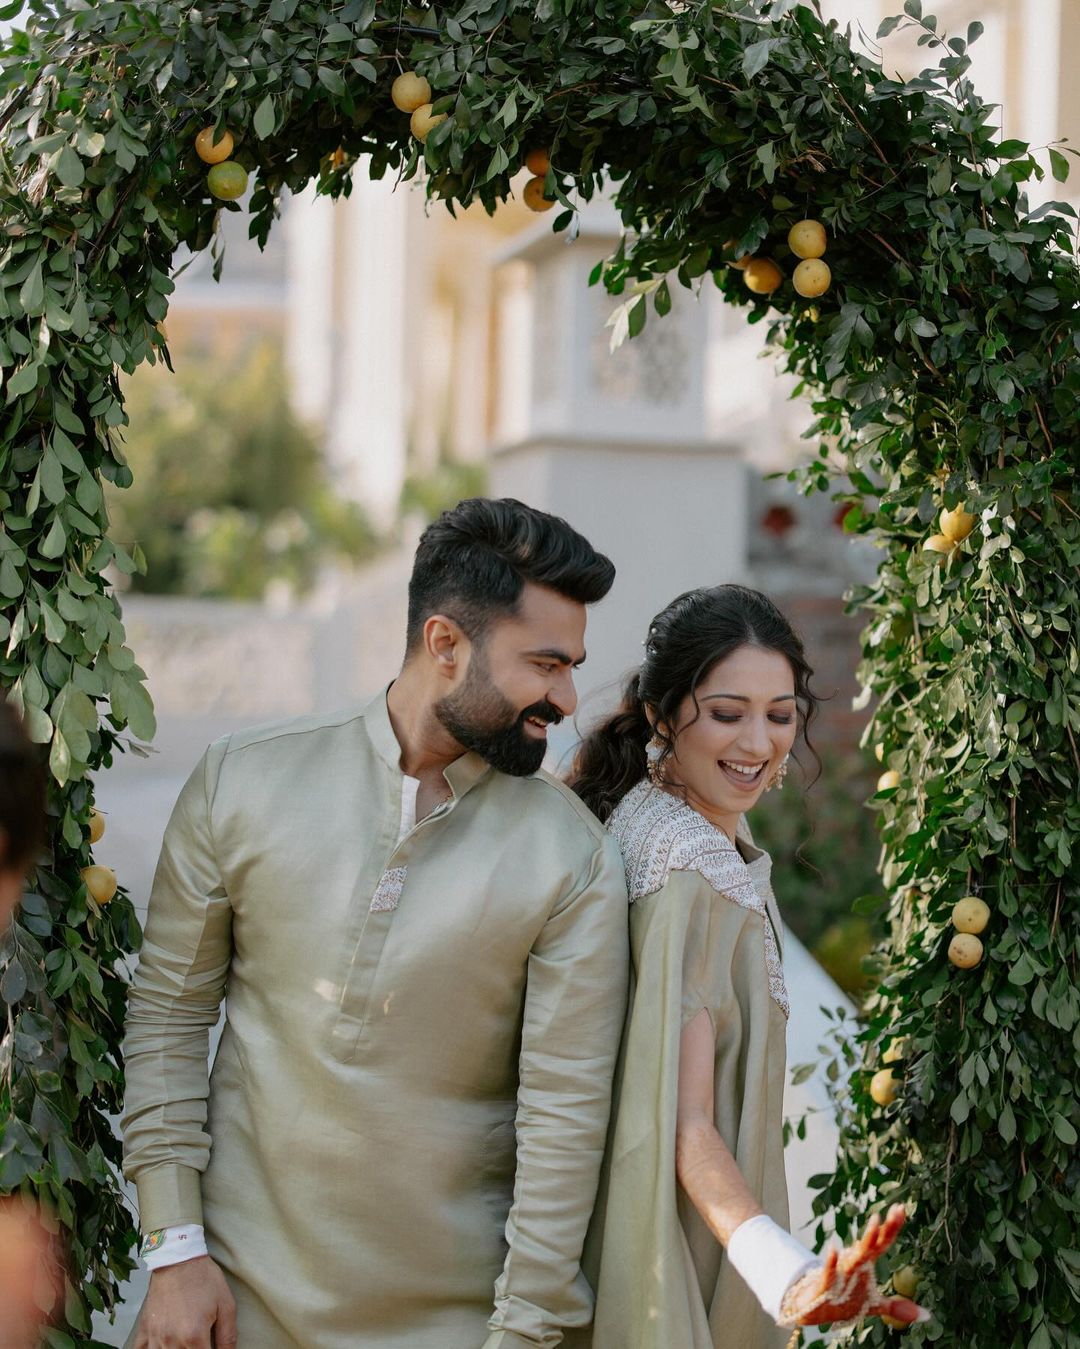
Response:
column 955, row 526
column 99, row 881
column 808, row 240
column 411, row 93
column 538, row 162
column 227, row 180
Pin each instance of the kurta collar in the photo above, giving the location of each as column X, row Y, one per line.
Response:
column 461, row 775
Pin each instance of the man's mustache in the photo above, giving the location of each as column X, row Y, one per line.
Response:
column 542, row 712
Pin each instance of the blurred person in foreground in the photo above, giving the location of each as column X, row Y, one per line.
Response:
column 27, row 1289
column 422, row 936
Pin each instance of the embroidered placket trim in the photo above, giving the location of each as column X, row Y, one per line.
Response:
column 659, row 834
column 388, row 891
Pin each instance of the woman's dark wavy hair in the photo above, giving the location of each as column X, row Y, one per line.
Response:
column 472, row 563
column 22, row 795
column 685, row 642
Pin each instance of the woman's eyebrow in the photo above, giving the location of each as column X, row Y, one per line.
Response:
column 739, row 698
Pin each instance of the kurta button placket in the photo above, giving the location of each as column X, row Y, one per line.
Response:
column 356, row 992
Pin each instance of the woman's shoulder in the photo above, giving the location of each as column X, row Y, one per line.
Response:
column 658, row 834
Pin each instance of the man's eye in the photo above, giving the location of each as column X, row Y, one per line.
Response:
column 546, row 669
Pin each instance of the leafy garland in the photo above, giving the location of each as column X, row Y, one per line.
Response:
column 943, row 366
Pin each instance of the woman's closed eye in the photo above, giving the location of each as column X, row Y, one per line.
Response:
column 777, row 718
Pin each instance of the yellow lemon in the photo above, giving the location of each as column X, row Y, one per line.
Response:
column 893, row 1322
column 97, row 825
column 807, row 239
column 970, row 914
column 888, row 780
column 965, row 951
column 227, row 180
column 762, row 276
column 410, row 91
column 905, row 1280
column 538, row 162
column 939, row 543
column 533, row 196
column 812, row 278
column 424, row 121
column 883, row 1087
column 100, row 881
column 957, row 524
column 211, row 150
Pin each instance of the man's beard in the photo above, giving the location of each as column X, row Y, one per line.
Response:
column 482, row 719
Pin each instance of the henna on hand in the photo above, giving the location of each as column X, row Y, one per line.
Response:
column 845, row 1288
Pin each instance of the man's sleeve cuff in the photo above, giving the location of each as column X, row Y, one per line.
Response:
column 169, row 1196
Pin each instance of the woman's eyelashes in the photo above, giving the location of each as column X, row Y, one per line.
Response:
column 778, row 719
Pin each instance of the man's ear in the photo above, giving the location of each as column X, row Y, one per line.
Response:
column 446, row 645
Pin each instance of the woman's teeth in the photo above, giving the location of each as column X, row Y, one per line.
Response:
column 743, row 774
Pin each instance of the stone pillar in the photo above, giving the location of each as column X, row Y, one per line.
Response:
column 367, row 424
column 311, row 333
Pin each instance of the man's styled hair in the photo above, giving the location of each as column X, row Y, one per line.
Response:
column 22, row 795
column 472, row 564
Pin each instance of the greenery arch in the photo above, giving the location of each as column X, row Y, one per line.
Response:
column 943, row 366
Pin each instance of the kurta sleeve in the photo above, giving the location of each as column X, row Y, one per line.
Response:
column 175, row 999
column 574, row 1007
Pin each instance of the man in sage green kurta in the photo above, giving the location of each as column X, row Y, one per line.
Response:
column 400, row 1142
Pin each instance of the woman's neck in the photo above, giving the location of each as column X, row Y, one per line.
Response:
column 726, row 823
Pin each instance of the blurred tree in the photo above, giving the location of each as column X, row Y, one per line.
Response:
column 230, row 493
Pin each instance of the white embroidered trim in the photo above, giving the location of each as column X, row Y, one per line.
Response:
column 388, row 891
column 658, row 834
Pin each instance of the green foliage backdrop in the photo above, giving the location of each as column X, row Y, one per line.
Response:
column 943, row 366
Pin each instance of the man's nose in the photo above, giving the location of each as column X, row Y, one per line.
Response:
column 563, row 695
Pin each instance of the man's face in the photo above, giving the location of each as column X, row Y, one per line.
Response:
column 519, row 680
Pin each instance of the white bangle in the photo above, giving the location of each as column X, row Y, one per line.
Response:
column 769, row 1260
column 173, row 1245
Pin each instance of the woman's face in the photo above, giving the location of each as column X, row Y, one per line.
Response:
column 726, row 755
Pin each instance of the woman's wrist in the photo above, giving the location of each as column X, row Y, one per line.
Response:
column 769, row 1260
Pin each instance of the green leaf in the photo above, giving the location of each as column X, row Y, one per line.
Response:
column 68, row 167
column 55, row 541
column 756, row 57
column 1007, row 1123
column 331, row 80
column 13, row 983
column 23, row 381
column 265, row 119
column 1059, row 166
column 32, row 291
column 60, row 758
column 1064, row 1130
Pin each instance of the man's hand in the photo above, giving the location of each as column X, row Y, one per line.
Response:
column 189, row 1306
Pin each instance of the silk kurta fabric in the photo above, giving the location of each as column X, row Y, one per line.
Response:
column 704, row 935
column 400, row 1141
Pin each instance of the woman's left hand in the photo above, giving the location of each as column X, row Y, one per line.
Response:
column 844, row 1287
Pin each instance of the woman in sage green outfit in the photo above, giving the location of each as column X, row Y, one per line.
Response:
column 689, row 1247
